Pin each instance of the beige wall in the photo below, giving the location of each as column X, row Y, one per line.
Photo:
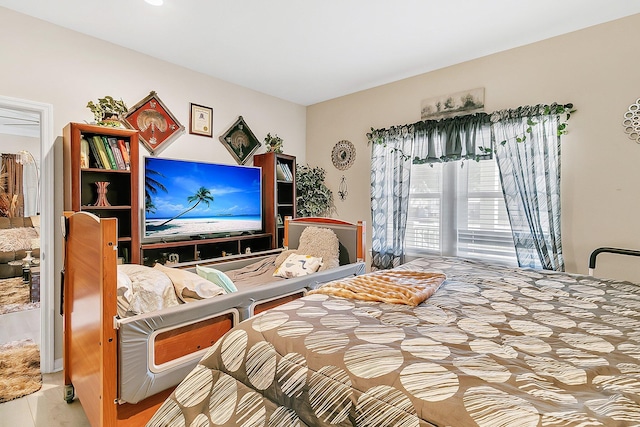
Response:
column 596, row 69
column 46, row 63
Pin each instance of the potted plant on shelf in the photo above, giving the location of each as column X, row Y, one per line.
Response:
column 108, row 111
column 273, row 143
column 314, row 198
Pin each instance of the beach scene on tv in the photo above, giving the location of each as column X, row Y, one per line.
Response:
column 189, row 199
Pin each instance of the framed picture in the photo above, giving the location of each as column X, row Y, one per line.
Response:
column 240, row 141
column 201, row 120
column 454, row 104
column 155, row 124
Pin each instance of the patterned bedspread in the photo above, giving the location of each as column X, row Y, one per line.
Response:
column 494, row 346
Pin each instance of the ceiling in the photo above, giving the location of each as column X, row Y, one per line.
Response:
column 308, row 51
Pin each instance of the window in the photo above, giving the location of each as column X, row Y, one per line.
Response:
column 457, row 209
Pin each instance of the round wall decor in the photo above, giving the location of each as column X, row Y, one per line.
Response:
column 343, row 155
column 631, row 121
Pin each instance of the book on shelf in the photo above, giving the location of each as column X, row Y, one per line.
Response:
column 94, row 153
column 107, row 149
column 124, row 150
column 104, row 158
column 283, row 172
column 280, row 176
column 287, row 171
column 115, row 150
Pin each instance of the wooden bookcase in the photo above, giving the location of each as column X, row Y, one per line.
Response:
column 279, row 192
column 81, row 191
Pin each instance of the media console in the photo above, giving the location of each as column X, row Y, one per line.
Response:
column 199, row 249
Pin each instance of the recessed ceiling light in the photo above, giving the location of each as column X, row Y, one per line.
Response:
column 155, row 2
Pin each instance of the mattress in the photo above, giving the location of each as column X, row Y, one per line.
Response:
column 494, row 346
column 140, row 377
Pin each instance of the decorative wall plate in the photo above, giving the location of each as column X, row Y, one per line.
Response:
column 343, row 155
column 240, row 141
column 631, row 121
column 155, row 124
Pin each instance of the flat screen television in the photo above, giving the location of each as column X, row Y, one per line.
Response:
column 190, row 199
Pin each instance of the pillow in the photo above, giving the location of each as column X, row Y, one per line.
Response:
column 189, row 286
column 217, row 277
column 151, row 289
column 317, row 242
column 15, row 239
column 298, row 265
column 125, row 287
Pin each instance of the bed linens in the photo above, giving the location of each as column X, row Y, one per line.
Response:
column 493, row 346
column 392, row 286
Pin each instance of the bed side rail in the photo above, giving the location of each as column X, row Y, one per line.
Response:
column 618, row 251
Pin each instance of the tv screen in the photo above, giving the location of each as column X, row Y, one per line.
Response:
column 188, row 198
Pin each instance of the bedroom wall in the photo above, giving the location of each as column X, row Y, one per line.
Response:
column 46, row 63
column 595, row 69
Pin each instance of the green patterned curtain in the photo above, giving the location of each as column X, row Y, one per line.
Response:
column 530, row 175
column 526, row 143
column 455, row 138
column 429, row 141
column 390, row 178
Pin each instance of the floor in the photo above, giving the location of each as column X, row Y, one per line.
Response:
column 20, row 325
column 45, row 407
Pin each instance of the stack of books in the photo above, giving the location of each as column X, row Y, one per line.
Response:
column 283, row 172
column 108, row 152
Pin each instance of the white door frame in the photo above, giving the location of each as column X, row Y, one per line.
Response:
column 47, row 258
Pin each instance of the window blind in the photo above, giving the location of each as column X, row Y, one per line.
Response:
column 457, row 209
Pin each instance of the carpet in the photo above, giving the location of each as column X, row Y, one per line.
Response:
column 19, row 369
column 14, row 295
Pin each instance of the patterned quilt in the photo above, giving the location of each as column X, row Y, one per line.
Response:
column 494, row 346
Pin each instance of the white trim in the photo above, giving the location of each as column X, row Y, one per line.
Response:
column 47, row 259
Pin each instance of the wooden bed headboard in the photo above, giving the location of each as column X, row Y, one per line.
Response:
column 351, row 235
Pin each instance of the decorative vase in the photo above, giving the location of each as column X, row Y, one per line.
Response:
column 102, row 194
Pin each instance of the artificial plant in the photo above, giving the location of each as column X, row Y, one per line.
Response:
column 108, row 111
column 314, row 198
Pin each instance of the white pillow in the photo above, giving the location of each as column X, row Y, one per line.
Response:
column 189, row 286
column 151, row 289
column 125, row 287
column 319, row 242
column 218, row 277
column 298, row 265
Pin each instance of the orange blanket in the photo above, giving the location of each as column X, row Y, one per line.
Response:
column 396, row 287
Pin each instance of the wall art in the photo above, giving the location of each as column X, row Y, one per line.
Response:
column 155, row 124
column 240, row 141
column 455, row 104
column 201, row 120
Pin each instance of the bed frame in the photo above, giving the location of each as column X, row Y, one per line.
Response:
column 162, row 346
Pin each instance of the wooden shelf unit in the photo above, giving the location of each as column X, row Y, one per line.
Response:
column 80, row 191
column 204, row 249
column 279, row 193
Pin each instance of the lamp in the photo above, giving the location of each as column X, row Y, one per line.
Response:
column 26, row 159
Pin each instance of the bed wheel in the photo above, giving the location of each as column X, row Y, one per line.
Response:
column 69, row 392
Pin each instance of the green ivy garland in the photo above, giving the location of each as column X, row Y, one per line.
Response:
column 564, row 111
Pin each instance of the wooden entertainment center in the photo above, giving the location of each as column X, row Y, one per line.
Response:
column 197, row 249
column 82, row 171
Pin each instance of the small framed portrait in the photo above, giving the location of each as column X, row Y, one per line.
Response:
column 240, row 141
column 201, row 120
column 155, row 124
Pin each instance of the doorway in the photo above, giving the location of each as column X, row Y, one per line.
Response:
column 43, row 156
